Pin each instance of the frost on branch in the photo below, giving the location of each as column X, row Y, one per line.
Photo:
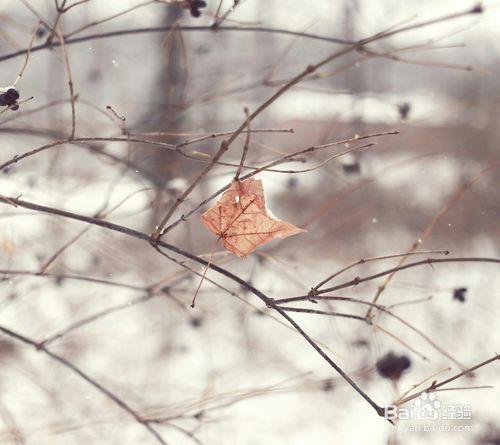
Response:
column 241, row 219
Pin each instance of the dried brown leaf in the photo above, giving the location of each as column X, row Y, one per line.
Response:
column 240, row 218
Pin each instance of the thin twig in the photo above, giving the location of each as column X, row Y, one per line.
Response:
column 320, row 312
column 91, row 318
column 62, row 276
column 158, row 233
column 200, row 157
column 111, row 17
column 60, row 11
column 218, row 21
column 357, row 280
column 79, row 2
column 70, row 83
column 245, row 147
column 99, row 214
column 434, row 386
column 163, row 29
column 377, row 258
column 67, row 364
column 416, row 385
column 26, row 60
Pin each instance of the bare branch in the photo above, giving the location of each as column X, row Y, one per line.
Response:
column 67, row 364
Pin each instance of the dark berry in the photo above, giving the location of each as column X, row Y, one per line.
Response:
column 404, row 110
column 459, row 294
column 9, row 99
column 196, row 322
column 12, row 94
column 391, row 366
column 195, row 5
column 195, row 12
column 351, row 169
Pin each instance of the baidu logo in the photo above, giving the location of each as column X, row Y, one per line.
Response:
column 427, row 407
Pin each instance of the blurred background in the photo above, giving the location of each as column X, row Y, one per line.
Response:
column 230, row 371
